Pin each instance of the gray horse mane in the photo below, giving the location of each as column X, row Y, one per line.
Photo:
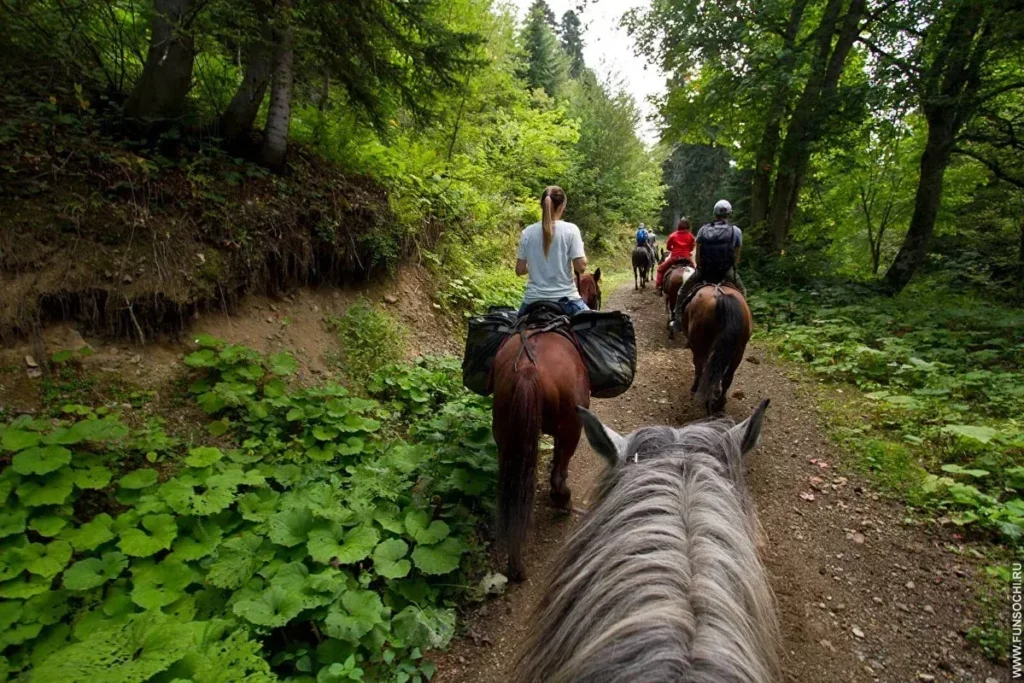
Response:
column 662, row 581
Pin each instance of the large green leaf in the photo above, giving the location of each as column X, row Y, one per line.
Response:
column 238, row 559
column 290, row 527
column 387, row 559
column 90, row 535
column 358, row 543
column 13, row 521
column 203, row 538
column 18, row 439
column 134, row 651
column 439, row 559
column 51, row 560
column 358, row 613
column 94, row 571
column 204, row 456
column 94, row 478
column 47, row 525
column 419, row 526
column 139, row 479
column 40, row 459
column 973, row 432
column 52, row 489
column 429, row 628
column 22, row 587
column 258, row 506
column 158, row 585
column 157, row 534
column 283, row 364
column 273, row 608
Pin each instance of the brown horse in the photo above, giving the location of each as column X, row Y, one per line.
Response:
column 643, row 261
column 674, row 279
column 718, row 325
column 590, row 289
column 534, row 391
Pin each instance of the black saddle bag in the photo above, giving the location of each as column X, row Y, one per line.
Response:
column 609, row 350
column 483, row 339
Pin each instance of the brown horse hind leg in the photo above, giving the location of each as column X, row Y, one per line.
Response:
column 565, row 445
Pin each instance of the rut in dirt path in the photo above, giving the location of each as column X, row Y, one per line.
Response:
column 861, row 595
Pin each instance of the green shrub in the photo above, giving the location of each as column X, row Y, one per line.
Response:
column 323, row 540
column 943, row 380
column 370, row 339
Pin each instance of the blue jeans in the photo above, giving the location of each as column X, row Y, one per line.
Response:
column 569, row 306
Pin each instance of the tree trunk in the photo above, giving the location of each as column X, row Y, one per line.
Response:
column 816, row 103
column 159, row 94
column 279, row 116
column 937, row 151
column 768, row 147
column 237, row 120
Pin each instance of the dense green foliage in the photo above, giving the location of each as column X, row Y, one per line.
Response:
column 463, row 114
column 318, row 540
column 858, row 127
column 943, row 387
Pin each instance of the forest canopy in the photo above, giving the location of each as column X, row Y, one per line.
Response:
column 867, row 133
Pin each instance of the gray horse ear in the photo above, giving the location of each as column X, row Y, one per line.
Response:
column 747, row 433
column 605, row 441
column 597, row 275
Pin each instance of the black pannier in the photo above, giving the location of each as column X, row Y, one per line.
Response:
column 609, row 350
column 606, row 339
column 483, row 339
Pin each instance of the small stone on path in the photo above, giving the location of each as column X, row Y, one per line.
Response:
column 857, row 632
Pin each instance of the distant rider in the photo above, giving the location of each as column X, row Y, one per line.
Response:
column 641, row 236
column 680, row 250
column 549, row 252
column 717, row 255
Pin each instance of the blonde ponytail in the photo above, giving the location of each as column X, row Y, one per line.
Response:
column 552, row 198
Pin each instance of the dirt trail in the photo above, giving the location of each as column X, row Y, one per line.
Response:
column 862, row 596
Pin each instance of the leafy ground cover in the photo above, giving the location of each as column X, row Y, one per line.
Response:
column 315, row 535
column 939, row 416
column 943, row 381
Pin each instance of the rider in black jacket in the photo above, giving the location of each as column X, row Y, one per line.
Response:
column 717, row 254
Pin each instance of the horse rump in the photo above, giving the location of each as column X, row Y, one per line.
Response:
column 729, row 341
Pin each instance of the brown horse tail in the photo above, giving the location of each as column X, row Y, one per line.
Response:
column 517, row 470
column 729, row 320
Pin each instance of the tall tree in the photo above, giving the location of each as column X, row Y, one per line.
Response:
column 546, row 64
column 951, row 70
column 279, row 115
column 572, row 42
column 159, row 94
column 833, row 39
column 240, row 115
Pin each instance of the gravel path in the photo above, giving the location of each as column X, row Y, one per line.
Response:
column 862, row 596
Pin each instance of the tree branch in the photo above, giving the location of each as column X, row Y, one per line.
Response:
column 992, row 166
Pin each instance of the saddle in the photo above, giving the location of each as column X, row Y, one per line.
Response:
column 541, row 317
column 685, row 263
column 681, row 306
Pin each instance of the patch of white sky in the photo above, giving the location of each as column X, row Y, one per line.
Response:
column 609, row 51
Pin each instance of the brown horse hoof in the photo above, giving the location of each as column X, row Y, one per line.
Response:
column 561, row 500
column 515, row 575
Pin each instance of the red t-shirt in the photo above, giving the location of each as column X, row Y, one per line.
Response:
column 680, row 244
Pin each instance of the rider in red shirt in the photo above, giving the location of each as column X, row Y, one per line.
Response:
column 680, row 247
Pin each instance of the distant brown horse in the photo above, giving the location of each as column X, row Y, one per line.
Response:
column 643, row 262
column 590, row 289
column 674, row 279
column 535, row 390
column 718, row 325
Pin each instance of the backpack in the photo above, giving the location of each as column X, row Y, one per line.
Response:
column 717, row 250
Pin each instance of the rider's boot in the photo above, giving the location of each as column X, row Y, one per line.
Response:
column 657, row 290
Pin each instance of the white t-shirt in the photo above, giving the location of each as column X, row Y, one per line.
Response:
column 550, row 278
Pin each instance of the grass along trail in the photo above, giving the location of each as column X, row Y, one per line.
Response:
column 861, row 595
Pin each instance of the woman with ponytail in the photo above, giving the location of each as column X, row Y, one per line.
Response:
column 549, row 252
